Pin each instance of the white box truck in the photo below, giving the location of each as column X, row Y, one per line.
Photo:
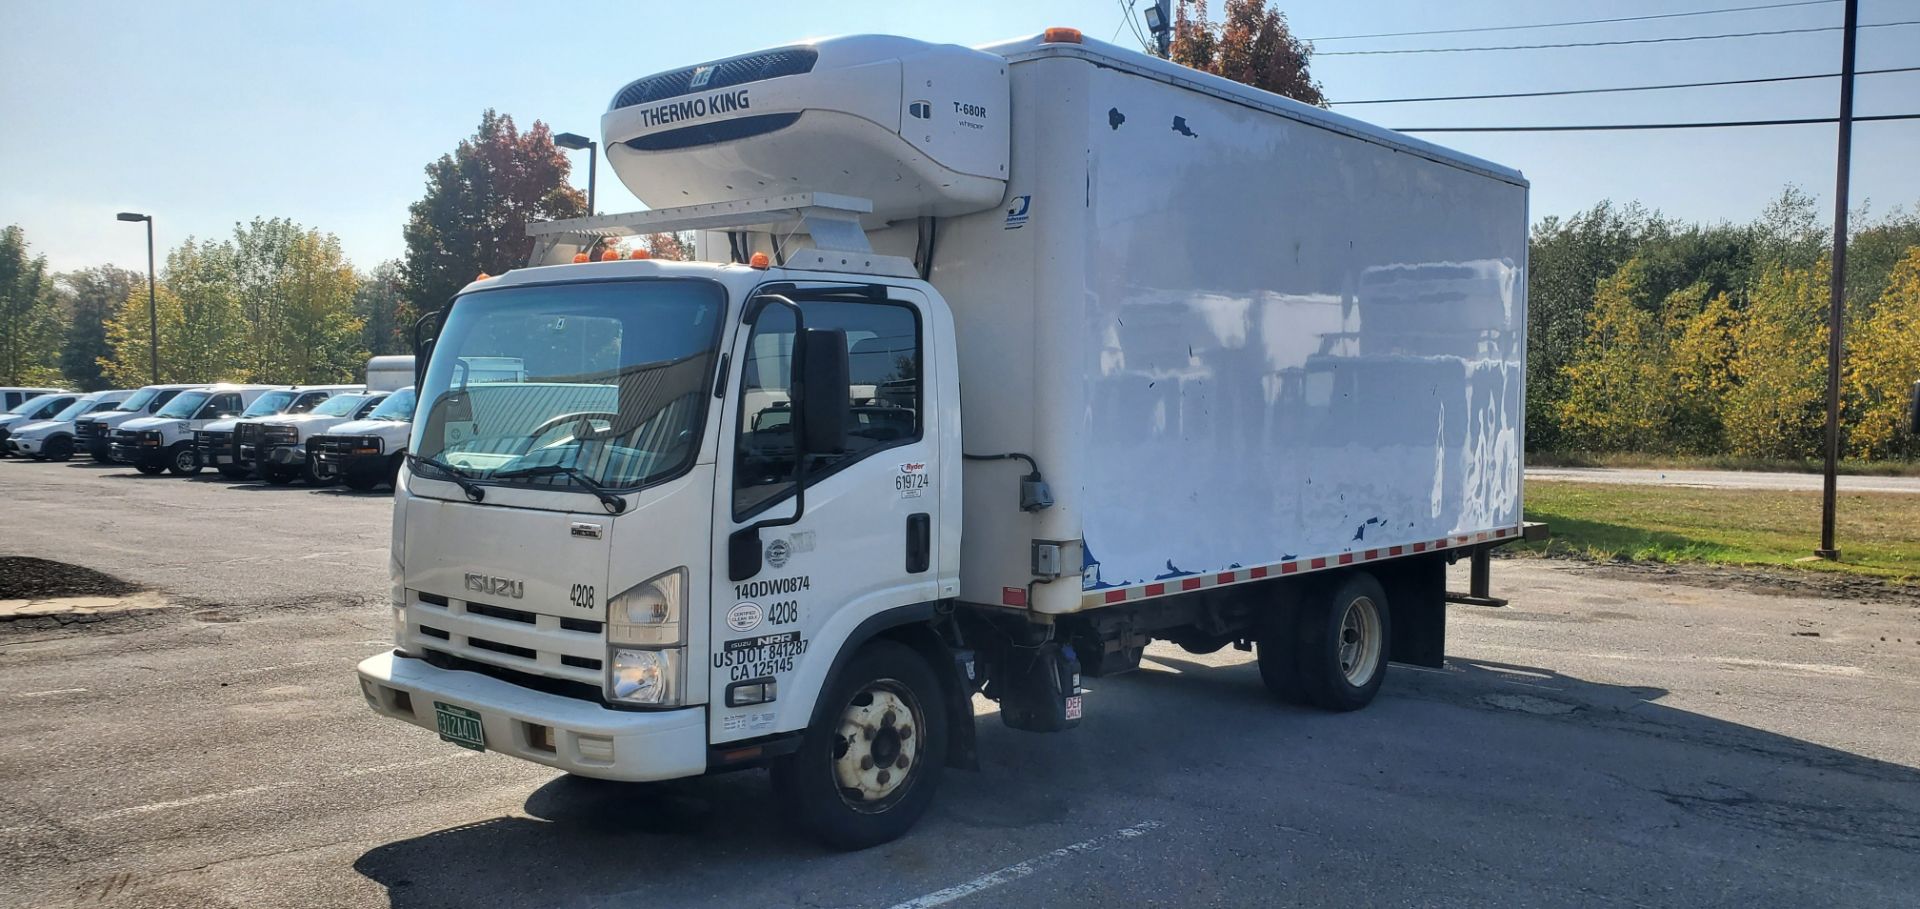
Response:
column 1013, row 360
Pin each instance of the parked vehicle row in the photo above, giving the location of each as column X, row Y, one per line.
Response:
column 277, row 432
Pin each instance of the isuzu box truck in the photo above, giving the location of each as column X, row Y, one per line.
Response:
column 1001, row 364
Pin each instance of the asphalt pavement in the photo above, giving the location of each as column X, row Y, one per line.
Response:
column 1722, row 479
column 1604, row 741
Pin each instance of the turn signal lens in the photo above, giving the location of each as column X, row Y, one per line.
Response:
column 1061, row 36
column 609, row 254
column 639, row 254
column 581, row 257
column 759, row 260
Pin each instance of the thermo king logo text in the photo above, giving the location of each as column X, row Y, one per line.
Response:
column 694, row 108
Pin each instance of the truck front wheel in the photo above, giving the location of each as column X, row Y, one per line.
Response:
column 873, row 756
column 1332, row 653
column 182, row 460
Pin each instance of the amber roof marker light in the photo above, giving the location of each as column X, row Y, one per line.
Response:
column 1060, row 35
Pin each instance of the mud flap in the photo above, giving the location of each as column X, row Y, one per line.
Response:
column 1417, row 594
column 1039, row 689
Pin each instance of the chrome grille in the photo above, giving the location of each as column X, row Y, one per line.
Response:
column 515, row 639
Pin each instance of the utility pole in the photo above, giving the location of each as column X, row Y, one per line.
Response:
column 1837, row 286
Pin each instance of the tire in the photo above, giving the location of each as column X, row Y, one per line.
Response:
column 311, row 474
column 150, row 469
column 1341, row 643
column 279, row 476
column 819, row 787
column 99, row 454
column 233, row 471
column 182, row 460
column 59, row 448
column 361, row 481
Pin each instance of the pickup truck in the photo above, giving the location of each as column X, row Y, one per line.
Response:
column 276, row 446
column 366, row 453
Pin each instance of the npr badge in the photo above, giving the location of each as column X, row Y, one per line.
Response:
column 744, row 617
column 778, row 552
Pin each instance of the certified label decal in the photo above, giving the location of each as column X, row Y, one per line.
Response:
column 778, row 552
column 912, row 481
column 744, row 617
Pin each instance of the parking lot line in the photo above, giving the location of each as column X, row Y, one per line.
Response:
column 1013, row 873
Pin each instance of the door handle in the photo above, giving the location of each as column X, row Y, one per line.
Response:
column 919, row 542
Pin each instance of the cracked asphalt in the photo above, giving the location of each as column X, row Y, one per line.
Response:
column 1613, row 738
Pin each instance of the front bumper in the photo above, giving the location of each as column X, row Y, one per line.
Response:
column 216, row 449
column 589, row 739
column 338, row 456
column 17, row 445
column 127, row 448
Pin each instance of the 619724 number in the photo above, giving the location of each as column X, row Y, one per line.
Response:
column 582, row 596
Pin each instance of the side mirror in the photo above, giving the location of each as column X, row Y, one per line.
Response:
column 823, row 391
column 1913, row 411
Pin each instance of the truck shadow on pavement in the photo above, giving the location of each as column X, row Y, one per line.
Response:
column 1526, row 765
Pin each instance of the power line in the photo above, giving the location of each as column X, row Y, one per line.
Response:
column 1508, row 47
column 1640, row 126
column 1511, row 28
column 1626, row 88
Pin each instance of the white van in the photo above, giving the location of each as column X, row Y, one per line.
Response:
column 164, row 441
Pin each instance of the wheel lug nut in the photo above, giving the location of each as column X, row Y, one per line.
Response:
column 906, row 732
column 902, row 763
column 884, row 777
column 866, row 762
column 887, row 720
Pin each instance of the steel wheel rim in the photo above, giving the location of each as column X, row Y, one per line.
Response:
column 1360, row 641
column 185, row 461
column 876, row 746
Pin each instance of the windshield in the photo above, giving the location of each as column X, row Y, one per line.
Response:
column 340, row 405
column 182, row 407
column 397, row 408
column 32, row 404
column 139, row 400
column 78, row 407
column 608, row 379
column 270, row 403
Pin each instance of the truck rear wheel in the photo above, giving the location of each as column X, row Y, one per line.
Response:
column 1333, row 652
column 873, row 756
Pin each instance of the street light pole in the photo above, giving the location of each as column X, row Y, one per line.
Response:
column 153, row 312
column 576, row 142
column 1837, row 288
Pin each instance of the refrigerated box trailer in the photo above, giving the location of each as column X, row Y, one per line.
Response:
column 1001, row 364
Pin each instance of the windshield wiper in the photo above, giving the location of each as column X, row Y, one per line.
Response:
column 613, row 503
column 473, row 490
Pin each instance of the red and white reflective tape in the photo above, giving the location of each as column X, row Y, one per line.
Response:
column 1112, row 595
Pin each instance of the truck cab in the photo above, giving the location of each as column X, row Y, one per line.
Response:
column 164, row 442
column 52, row 439
column 216, row 444
column 366, row 453
column 32, row 410
column 276, row 446
column 95, row 432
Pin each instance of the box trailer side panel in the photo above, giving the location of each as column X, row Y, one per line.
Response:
column 1295, row 343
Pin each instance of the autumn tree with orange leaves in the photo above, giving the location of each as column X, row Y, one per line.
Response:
column 1251, row 45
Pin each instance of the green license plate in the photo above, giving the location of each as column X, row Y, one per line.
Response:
column 459, row 726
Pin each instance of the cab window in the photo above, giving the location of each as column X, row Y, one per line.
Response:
column 883, row 394
column 308, row 401
column 219, row 406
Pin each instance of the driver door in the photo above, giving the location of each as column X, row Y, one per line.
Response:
column 862, row 541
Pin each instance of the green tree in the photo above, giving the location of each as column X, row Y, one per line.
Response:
column 260, row 255
column 1700, row 351
column 1616, row 384
column 92, row 297
column 1883, row 362
column 317, row 335
column 1776, row 407
column 1251, row 45
column 386, row 321
column 479, row 200
column 30, row 326
column 198, row 318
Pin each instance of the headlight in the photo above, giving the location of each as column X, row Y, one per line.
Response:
column 283, row 433
column 644, row 676
column 368, row 446
column 650, row 612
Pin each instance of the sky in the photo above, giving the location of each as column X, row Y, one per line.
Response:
column 207, row 114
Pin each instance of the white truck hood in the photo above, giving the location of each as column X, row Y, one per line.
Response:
column 113, row 418
column 307, row 423
column 385, row 429
column 40, row 428
column 145, row 423
column 220, row 425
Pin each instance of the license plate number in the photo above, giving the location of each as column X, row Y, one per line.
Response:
column 459, row 726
